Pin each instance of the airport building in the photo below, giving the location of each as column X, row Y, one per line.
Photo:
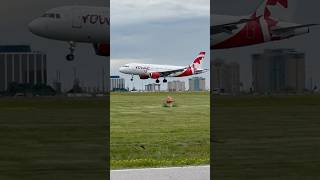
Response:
column 279, row 71
column 175, row 86
column 197, row 84
column 19, row 64
column 117, row 83
column 152, row 87
column 226, row 76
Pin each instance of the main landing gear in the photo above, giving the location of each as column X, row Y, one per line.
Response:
column 70, row 56
column 164, row 81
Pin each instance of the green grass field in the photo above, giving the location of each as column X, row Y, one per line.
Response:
column 266, row 138
column 146, row 134
column 253, row 137
column 53, row 138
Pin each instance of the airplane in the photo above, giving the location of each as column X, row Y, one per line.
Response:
column 155, row 71
column 258, row 27
column 73, row 24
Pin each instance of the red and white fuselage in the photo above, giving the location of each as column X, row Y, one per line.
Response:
column 156, row 71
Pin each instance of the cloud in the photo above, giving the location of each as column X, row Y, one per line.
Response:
column 126, row 12
column 119, row 62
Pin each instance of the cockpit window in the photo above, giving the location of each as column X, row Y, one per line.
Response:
column 126, row 66
column 52, row 15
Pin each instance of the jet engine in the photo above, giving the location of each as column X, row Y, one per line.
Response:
column 102, row 49
column 155, row 75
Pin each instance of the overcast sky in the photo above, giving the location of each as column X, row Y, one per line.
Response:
column 303, row 12
column 158, row 32
column 15, row 16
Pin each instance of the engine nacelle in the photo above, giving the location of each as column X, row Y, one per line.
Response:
column 155, row 75
column 102, row 49
column 144, row 77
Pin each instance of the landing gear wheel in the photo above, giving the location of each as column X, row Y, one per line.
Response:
column 165, row 81
column 131, row 79
column 157, row 81
column 70, row 57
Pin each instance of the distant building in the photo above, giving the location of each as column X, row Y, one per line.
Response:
column 117, row 83
column 278, row 70
column 226, row 76
column 197, row 84
column 19, row 64
column 174, row 86
column 152, row 87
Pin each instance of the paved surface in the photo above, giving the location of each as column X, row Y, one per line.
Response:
column 176, row 173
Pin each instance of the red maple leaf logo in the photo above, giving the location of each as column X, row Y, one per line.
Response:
column 284, row 3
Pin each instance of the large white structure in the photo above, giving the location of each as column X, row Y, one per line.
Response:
column 19, row 64
column 226, row 76
column 279, row 70
column 152, row 87
column 197, row 84
column 174, row 86
column 117, row 83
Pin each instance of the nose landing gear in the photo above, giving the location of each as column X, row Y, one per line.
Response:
column 70, row 56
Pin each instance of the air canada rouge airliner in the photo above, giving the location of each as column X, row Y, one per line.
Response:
column 155, row 71
column 259, row 27
column 84, row 24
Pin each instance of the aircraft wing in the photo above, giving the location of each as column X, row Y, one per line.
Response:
column 167, row 73
column 279, row 31
column 227, row 28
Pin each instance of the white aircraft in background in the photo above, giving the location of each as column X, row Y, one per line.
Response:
column 155, row 71
column 259, row 27
column 84, row 24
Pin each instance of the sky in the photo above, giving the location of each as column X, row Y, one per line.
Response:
column 303, row 12
column 17, row 14
column 158, row 32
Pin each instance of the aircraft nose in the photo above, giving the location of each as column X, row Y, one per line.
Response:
column 121, row 69
column 36, row 27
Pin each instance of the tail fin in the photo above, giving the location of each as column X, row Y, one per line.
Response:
column 197, row 61
column 277, row 9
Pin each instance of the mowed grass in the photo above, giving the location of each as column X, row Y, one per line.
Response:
column 53, row 138
column 146, row 134
column 274, row 138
